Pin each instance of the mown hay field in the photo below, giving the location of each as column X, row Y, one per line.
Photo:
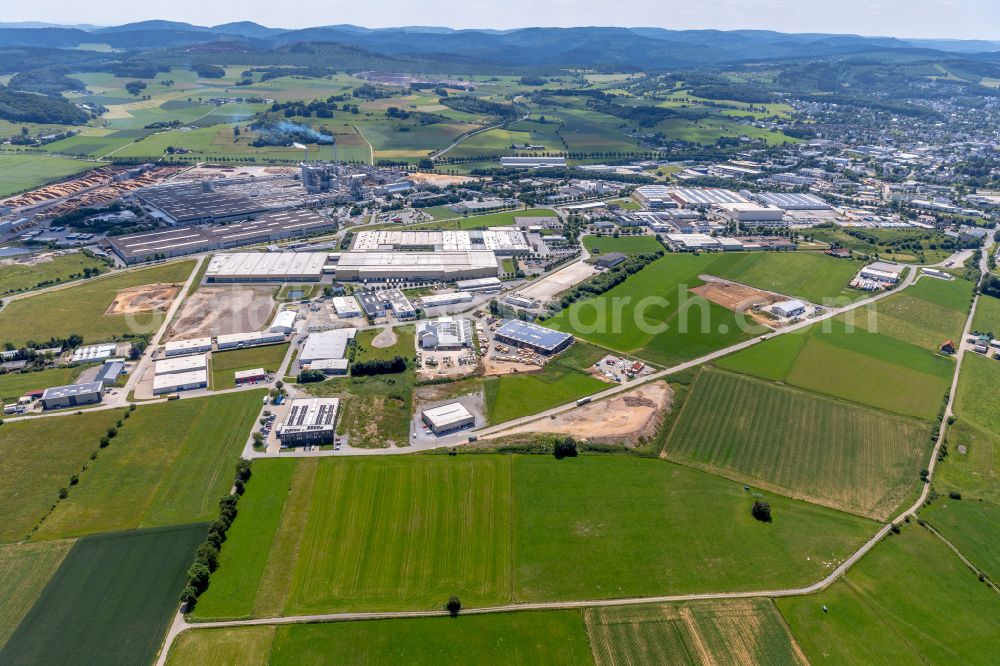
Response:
column 744, row 631
column 407, row 533
column 799, row 444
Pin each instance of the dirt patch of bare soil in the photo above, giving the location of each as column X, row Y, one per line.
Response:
column 494, row 367
column 623, row 419
column 145, row 298
column 385, row 338
column 212, row 311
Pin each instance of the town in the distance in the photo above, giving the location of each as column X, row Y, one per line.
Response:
column 557, row 346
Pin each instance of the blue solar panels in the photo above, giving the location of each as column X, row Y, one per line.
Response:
column 527, row 334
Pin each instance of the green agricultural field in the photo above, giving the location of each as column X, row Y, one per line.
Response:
column 814, row 277
column 20, row 172
column 375, row 411
column 244, row 558
column 110, row 601
column 653, row 315
column 822, row 450
column 226, row 363
column 551, row 637
column 908, row 245
column 745, row 631
column 237, row 646
column 81, row 308
column 643, row 527
column 973, row 527
column 561, row 381
column 25, row 569
column 15, row 384
column 972, row 466
column 461, row 517
column 39, row 457
column 455, row 515
column 21, row 277
column 926, row 314
column 169, row 464
column 598, row 245
column 910, row 600
column 502, row 219
column 852, row 364
column 987, row 317
column 404, row 345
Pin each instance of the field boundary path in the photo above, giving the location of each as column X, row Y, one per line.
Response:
column 468, row 135
column 371, row 148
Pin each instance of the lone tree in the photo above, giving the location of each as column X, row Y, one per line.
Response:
column 761, row 511
column 565, row 448
column 454, row 605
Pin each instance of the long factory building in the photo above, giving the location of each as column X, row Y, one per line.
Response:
column 179, row 241
column 505, row 242
column 351, row 266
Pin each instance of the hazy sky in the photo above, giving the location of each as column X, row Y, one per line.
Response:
column 964, row 19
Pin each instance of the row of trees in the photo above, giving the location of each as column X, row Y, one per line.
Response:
column 206, row 559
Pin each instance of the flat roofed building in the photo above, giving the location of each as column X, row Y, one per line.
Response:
column 266, row 267
column 331, row 366
column 503, row 241
column 438, row 300
column 371, row 304
column 704, row 197
column 444, row 333
column 309, row 421
column 346, row 307
column 480, row 284
column 180, row 381
column 93, row 353
column 252, row 339
column 326, row 345
column 283, row 322
column 611, row 259
column 184, row 347
column 792, row 201
column 448, row 418
column 692, row 242
column 192, row 203
column 248, row 376
column 60, row 397
column 532, row 336
column 400, row 304
column 175, row 365
column 753, row 214
column 378, row 266
column 654, row 196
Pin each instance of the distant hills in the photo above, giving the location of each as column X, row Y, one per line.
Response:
column 639, row 47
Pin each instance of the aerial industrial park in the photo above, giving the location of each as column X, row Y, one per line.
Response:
column 573, row 346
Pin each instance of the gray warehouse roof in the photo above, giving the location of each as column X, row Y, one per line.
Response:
column 71, row 390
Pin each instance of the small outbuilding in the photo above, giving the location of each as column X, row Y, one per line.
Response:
column 448, row 418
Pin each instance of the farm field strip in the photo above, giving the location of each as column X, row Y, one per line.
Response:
column 111, row 599
column 829, row 452
column 748, row 631
column 81, row 308
column 25, row 569
column 168, row 465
